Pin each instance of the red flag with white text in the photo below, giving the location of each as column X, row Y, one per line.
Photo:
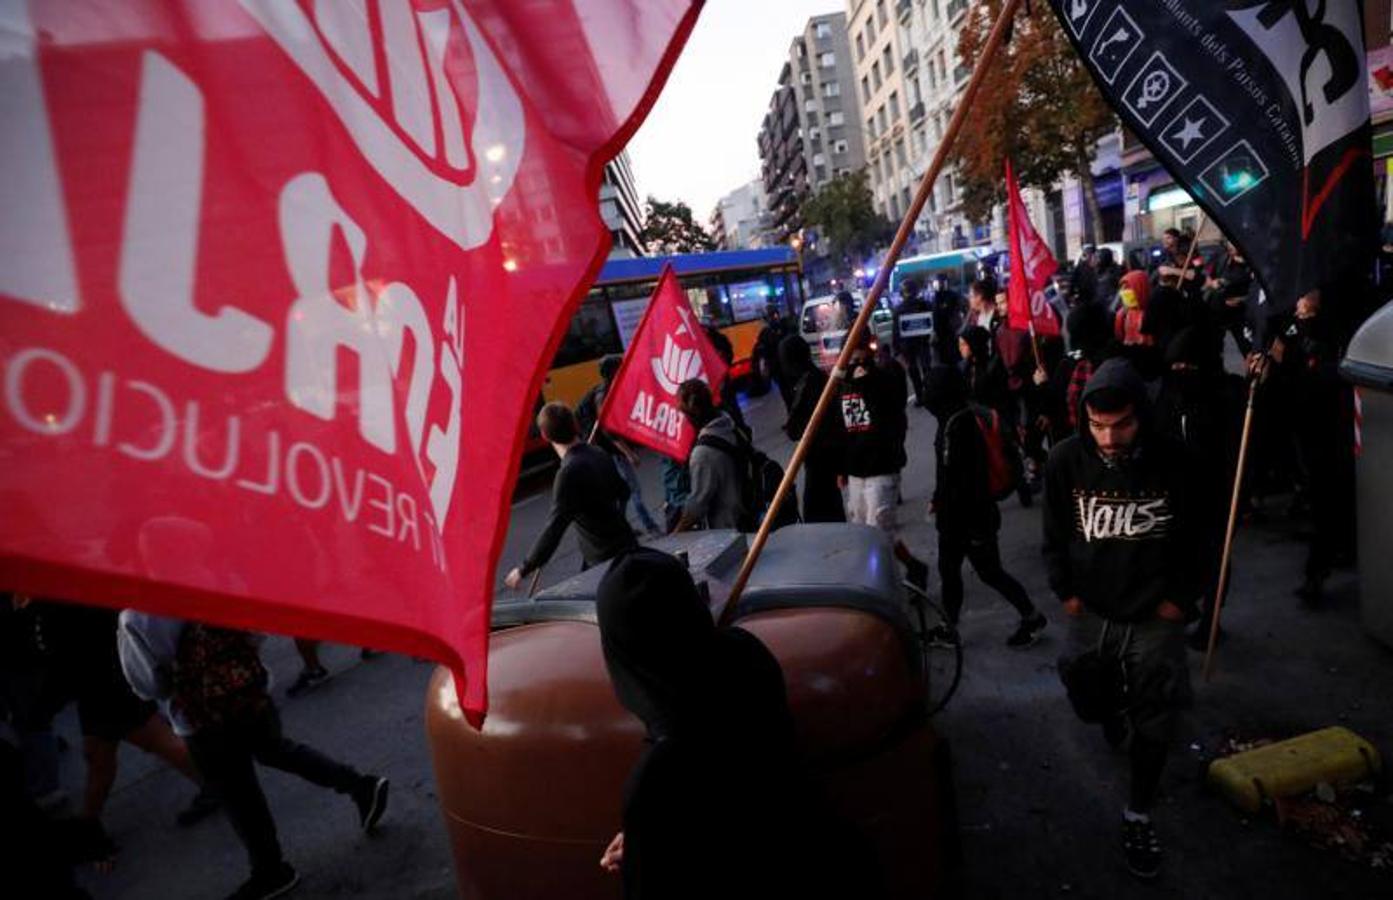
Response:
column 669, row 348
column 1032, row 266
column 279, row 282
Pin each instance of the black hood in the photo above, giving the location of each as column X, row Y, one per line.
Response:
column 658, row 639
column 1119, row 374
column 979, row 340
column 1089, row 329
column 795, row 355
column 945, row 392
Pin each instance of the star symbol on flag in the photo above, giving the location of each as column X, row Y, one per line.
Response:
column 1193, row 131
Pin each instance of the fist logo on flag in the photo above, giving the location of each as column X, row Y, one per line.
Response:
column 676, row 365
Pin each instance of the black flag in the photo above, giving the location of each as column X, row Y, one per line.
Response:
column 1260, row 109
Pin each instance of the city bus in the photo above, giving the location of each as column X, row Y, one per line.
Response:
column 958, row 267
column 730, row 289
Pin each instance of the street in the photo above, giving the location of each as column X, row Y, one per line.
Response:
column 1039, row 792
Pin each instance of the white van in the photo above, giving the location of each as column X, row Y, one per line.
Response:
column 824, row 326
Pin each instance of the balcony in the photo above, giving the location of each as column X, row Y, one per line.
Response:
column 910, row 62
column 916, row 113
column 956, row 8
column 904, row 7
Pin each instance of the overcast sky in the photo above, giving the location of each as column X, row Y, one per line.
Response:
column 699, row 142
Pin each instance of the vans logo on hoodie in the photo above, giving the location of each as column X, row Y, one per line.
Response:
column 1109, row 516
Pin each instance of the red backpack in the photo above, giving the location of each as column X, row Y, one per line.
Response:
column 1003, row 462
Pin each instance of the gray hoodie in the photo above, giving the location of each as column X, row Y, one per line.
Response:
column 716, row 497
column 149, row 647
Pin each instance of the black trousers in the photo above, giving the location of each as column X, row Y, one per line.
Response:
column 985, row 555
column 822, row 499
column 225, row 755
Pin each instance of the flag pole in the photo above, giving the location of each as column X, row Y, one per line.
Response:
column 1220, row 590
column 998, row 35
column 1193, row 251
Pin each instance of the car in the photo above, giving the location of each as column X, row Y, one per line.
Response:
column 823, row 324
column 532, row 799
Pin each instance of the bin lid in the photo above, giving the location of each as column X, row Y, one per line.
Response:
column 1369, row 362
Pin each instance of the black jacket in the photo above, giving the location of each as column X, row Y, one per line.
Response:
column 873, row 414
column 1122, row 537
column 587, row 491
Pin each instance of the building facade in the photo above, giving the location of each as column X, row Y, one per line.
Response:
column 621, row 209
column 877, row 47
column 741, row 218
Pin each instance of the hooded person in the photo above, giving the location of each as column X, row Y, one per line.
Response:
column 965, row 511
column 719, row 761
column 1123, row 548
column 717, row 495
column 822, row 499
column 1090, row 342
column 984, row 377
column 1134, row 295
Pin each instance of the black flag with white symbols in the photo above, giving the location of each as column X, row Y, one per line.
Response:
column 1260, row 109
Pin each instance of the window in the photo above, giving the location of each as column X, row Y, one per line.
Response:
column 875, row 74
column 802, row 50
column 809, row 106
column 836, row 118
column 819, row 159
column 822, row 30
column 894, row 105
column 880, row 119
column 807, row 78
column 819, row 173
column 815, row 135
column 870, row 32
column 880, row 12
column 831, row 89
column 865, row 89
column 886, row 61
column 870, row 127
column 827, row 60
column 839, row 147
column 899, row 152
column 860, row 47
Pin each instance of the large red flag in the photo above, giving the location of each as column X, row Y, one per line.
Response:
column 669, row 348
column 279, row 280
column 1032, row 265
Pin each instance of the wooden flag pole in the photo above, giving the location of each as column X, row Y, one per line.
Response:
column 853, row 338
column 1192, row 252
column 1220, row 590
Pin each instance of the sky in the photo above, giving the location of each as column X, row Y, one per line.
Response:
column 699, row 141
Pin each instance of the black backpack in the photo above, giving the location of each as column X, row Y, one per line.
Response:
column 760, row 478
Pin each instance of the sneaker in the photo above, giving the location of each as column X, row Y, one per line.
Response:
column 306, row 681
column 1141, row 849
column 1028, row 632
column 273, row 882
column 371, row 800
column 917, row 574
column 942, row 637
column 203, row 805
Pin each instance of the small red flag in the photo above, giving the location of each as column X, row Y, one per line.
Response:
column 669, row 348
column 1032, row 265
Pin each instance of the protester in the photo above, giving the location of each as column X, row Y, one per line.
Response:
column 1108, row 276
column 1015, row 350
column 1084, row 285
column 982, row 370
column 982, row 307
column 822, row 499
column 216, row 684
column 626, row 460
column 965, row 511
column 717, row 498
column 872, row 402
column 729, row 397
column 586, row 491
column 914, row 351
column 1090, row 341
column 1227, row 295
column 1167, row 261
column 948, row 322
column 720, row 760
column 1121, row 546
column 766, row 352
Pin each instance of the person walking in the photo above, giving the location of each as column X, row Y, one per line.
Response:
column 1121, row 542
column 587, row 492
column 965, row 511
column 872, row 403
column 822, row 498
column 766, row 357
column 914, row 349
column 1227, row 294
column 626, row 460
column 717, row 497
column 215, row 685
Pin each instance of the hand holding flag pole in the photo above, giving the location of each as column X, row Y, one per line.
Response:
column 858, row 327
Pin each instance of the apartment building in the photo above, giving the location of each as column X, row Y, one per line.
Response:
column 874, row 32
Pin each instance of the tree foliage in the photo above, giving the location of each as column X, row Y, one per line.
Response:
column 1037, row 104
column 844, row 214
column 670, row 228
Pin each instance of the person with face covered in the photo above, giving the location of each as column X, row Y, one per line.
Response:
column 822, row 499
column 966, row 513
column 872, row 401
column 1122, row 547
column 719, row 766
column 984, row 377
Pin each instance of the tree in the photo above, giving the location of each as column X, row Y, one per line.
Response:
column 843, row 213
column 669, row 228
column 1037, row 104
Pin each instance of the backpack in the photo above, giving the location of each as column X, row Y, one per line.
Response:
column 760, row 478
column 1003, row 462
column 218, row 676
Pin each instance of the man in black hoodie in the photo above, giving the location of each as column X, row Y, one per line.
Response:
column 965, row 511
column 822, row 499
column 1122, row 544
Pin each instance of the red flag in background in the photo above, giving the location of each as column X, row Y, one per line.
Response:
column 669, row 348
column 279, row 282
column 1032, row 265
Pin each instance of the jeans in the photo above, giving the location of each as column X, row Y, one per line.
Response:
column 630, row 476
column 224, row 756
column 985, row 555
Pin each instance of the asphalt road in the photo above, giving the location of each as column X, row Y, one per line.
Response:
column 1040, row 793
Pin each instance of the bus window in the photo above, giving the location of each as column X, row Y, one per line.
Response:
column 591, row 334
